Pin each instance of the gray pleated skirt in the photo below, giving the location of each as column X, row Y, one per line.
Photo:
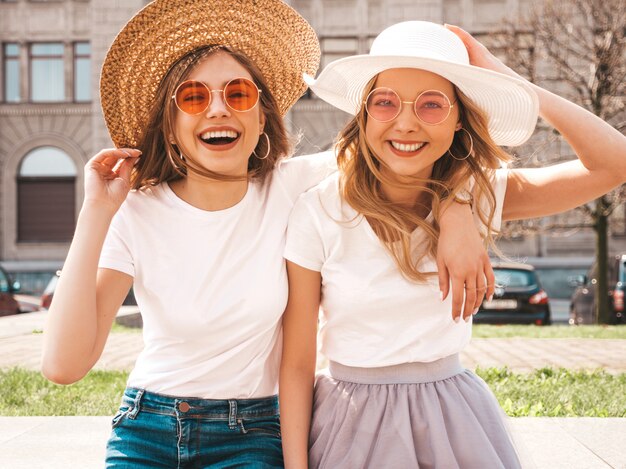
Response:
column 414, row 415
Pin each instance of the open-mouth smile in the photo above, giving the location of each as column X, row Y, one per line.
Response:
column 406, row 149
column 221, row 139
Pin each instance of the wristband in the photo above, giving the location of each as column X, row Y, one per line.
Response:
column 464, row 197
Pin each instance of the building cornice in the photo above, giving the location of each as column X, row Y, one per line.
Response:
column 313, row 105
column 45, row 109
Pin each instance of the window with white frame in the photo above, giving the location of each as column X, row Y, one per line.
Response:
column 46, row 71
column 11, row 72
column 82, row 72
column 47, row 74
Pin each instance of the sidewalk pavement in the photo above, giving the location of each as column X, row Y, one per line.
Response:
column 551, row 443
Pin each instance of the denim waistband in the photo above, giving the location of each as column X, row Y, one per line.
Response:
column 224, row 409
column 404, row 373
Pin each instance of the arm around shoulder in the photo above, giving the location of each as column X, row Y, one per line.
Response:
column 301, row 173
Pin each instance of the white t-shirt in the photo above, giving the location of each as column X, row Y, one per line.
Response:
column 211, row 286
column 371, row 315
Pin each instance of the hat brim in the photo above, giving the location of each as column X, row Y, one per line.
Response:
column 278, row 40
column 510, row 103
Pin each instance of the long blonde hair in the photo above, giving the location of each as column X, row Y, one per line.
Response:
column 361, row 178
column 161, row 161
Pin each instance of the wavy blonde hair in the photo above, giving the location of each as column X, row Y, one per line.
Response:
column 361, row 178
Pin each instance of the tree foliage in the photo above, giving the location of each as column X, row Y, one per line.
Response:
column 577, row 49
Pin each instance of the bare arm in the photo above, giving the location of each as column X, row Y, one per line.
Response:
column 601, row 151
column 86, row 299
column 601, row 164
column 462, row 261
column 538, row 192
column 297, row 369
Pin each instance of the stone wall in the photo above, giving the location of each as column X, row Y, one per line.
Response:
column 345, row 27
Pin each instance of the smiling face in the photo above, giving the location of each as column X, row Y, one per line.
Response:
column 219, row 138
column 406, row 145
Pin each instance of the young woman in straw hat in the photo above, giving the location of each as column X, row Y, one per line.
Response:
column 428, row 121
column 193, row 94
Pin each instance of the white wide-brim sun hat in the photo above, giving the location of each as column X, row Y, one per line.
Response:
column 510, row 103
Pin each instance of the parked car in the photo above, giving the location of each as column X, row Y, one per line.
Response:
column 559, row 278
column 8, row 303
column 48, row 293
column 27, row 303
column 583, row 303
column 46, row 296
column 518, row 297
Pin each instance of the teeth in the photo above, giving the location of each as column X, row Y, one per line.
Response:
column 219, row 134
column 407, row 148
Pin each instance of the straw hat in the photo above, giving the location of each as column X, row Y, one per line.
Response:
column 510, row 103
column 277, row 39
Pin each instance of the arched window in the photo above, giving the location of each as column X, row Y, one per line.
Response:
column 46, row 196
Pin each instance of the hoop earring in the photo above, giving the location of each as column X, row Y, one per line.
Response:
column 470, row 150
column 268, row 148
column 178, row 168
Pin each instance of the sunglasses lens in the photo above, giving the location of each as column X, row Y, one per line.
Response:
column 383, row 104
column 241, row 94
column 432, row 107
column 192, row 97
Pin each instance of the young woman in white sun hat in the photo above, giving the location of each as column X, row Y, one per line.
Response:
column 431, row 108
column 199, row 89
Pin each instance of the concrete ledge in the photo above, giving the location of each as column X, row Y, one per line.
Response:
column 53, row 442
column 79, row 442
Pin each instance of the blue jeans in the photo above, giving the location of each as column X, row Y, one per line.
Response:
column 154, row 430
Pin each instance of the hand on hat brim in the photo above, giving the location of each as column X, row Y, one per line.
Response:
column 108, row 177
column 479, row 55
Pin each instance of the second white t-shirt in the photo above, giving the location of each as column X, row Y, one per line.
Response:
column 372, row 316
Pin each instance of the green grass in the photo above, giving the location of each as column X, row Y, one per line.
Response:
column 119, row 328
column 114, row 328
column 558, row 393
column 506, row 331
column 546, row 392
column 24, row 392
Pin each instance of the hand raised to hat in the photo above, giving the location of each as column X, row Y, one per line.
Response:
column 479, row 55
column 107, row 177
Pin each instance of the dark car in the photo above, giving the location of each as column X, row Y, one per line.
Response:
column 48, row 293
column 8, row 303
column 518, row 297
column 583, row 305
column 559, row 278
